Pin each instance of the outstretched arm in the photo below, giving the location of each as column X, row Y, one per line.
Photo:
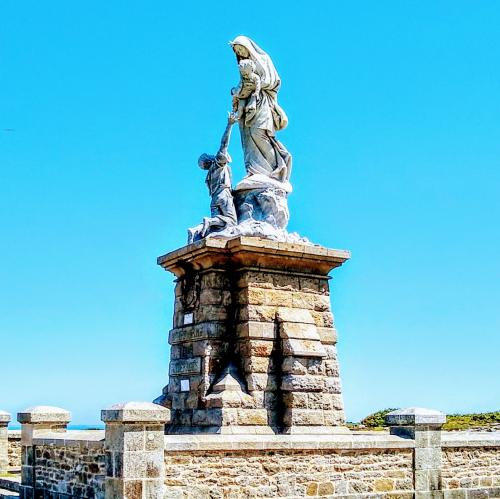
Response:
column 231, row 120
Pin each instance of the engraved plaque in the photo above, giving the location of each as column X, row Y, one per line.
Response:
column 195, row 333
column 185, row 366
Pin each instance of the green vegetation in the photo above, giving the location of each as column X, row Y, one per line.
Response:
column 466, row 421
column 376, row 420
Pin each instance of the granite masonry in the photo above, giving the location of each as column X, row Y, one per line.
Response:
column 253, row 348
column 134, row 459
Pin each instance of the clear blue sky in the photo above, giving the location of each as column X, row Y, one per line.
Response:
column 394, row 111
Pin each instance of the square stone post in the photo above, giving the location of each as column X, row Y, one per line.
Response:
column 424, row 426
column 135, row 462
column 34, row 422
column 4, row 441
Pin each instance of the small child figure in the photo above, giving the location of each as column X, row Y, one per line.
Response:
column 246, row 93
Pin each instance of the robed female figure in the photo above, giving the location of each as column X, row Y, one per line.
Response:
column 264, row 155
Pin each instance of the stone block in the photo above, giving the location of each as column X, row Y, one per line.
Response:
column 256, row 278
column 297, row 383
column 303, row 300
column 207, row 417
column 427, row 458
column 332, row 368
column 427, row 480
column 258, row 365
column 332, row 401
column 211, row 296
column 322, row 319
column 303, row 348
column 135, row 412
column 256, row 330
column 315, row 400
column 333, row 385
column 293, row 365
column 252, row 416
column 383, row 485
column 331, row 352
column 214, row 279
column 257, row 348
column 303, row 417
column 260, row 313
column 210, row 313
column 278, row 298
column 327, row 335
column 313, row 285
column 334, row 417
column 286, row 281
column 413, row 416
column 300, row 316
column 301, row 331
column 252, row 296
column 43, row 414
column 260, row 382
column 296, row 400
column 326, row 489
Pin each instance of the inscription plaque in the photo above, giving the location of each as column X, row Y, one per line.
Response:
column 195, row 333
column 185, row 366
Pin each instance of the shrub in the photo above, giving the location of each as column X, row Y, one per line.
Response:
column 377, row 419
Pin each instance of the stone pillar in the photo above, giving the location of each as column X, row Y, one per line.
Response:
column 135, row 462
column 4, row 441
column 424, row 426
column 36, row 421
column 253, row 343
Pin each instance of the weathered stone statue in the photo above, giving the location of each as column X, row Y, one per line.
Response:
column 264, row 154
column 223, row 213
column 254, row 343
column 258, row 205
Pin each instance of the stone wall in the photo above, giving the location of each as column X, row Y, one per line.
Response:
column 471, row 468
column 74, row 467
column 14, row 450
column 270, row 466
column 134, row 459
column 215, row 474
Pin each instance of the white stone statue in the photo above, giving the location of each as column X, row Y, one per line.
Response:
column 222, row 210
column 261, row 117
column 258, row 205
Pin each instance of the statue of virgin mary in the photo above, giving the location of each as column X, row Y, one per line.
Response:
column 267, row 160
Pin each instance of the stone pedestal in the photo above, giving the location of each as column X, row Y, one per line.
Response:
column 4, row 441
column 253, row 342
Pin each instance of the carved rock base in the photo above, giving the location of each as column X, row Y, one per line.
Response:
column 253, row 343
